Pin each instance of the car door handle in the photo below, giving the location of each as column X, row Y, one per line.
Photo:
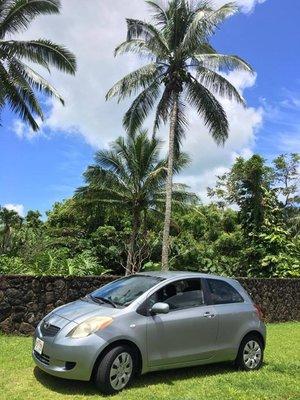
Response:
column 208, row 315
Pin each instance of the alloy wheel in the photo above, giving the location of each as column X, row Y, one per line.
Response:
column 121, row 371
column 252, row 354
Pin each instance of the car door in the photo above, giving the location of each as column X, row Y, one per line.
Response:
column 188, row 332
column 232, row 311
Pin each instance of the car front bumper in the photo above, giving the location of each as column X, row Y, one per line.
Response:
column 68, row 358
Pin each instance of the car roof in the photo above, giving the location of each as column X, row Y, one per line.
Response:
column 179, row 274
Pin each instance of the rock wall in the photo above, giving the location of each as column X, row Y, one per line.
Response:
column 278, row 298
column 25, row 300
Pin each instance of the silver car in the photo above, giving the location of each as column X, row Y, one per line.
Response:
column 148, row 322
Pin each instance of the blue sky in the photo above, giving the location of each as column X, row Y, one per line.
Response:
column 37, row 170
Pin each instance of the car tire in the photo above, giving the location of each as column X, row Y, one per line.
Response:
column 116, row 369
column 250, row 354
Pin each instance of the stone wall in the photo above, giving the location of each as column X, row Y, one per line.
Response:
column 25, row 300
column 279, row 299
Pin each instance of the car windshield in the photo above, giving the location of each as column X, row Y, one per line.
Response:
column 124, row 291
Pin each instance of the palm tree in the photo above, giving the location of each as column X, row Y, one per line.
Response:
column 18, row 81
column 9, row 219
column 183, row 69
column 131, row 176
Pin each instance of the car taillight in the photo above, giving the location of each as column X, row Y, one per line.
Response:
column 259, row 312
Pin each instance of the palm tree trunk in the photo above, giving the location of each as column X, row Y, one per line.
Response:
column 169, row 184
column 130, row 264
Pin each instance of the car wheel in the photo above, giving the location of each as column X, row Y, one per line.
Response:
column 116, row 369
column 251, row 352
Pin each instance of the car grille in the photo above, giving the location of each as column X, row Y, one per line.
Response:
column 43, row 358
column 49, row 330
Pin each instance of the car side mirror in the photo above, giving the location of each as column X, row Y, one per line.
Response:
column 160, row 308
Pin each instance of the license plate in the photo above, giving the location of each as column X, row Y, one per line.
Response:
column 39, row 344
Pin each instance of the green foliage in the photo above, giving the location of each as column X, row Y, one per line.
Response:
column 270, row 245
column 256, row 238
column 208, row 241
column 130, row 176
column 109, row 246
column 11, row 265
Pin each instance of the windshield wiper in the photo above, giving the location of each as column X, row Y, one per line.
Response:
column 104, row 300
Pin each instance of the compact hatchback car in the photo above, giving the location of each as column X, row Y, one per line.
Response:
column 150, row 321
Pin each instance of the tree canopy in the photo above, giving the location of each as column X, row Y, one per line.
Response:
column 90, row 235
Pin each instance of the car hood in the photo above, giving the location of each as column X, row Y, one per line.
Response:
column 80, row 310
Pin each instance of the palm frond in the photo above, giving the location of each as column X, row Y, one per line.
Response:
column 196, row 32
column 17, row 15
column 36, row 81
column 180, row 127
column 216, row 17
column 106, row 181
column 16, row 98
column 182, row 197
column 160, row 15
column 43, row 52
column 112, row 161
column 126, row 150
column 90, row 194
column 204, row 48
column 163, row 108
column 182, row 161
column 203, row 24
column 139, row 79
column 209, row 108
column 151, row 48
column 137, row 29
column 223, row 61
column 218, row 84
column 24, row 88
column 135, row 116
column 137, row 46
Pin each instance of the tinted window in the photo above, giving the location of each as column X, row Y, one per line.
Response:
column 124, row 291
column 181, row 294
column 223, row 293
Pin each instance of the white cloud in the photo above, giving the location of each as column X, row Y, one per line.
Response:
column 23, row 130
column 208, row 158
column 245, row 5
column 19, row 208
column 92, row 29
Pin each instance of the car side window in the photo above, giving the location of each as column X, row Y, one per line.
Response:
column 185, row 293
column 223, row 293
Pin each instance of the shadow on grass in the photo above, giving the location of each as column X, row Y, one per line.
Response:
column 169, row 377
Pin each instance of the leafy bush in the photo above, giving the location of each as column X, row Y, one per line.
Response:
column 11, row 265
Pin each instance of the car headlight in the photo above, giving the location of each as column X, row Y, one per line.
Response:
column 90, row 326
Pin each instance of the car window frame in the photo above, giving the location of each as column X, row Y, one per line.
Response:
column 209, row 294
column 144, row 309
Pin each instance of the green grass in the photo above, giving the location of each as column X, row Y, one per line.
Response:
column 278, row 379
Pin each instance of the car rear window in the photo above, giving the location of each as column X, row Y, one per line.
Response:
column 223, row 293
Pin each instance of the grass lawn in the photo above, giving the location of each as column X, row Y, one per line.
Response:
column 278, row 379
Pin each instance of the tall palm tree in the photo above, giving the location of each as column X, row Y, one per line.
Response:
column 18, row 81
column 183, row 69
column 131, row 176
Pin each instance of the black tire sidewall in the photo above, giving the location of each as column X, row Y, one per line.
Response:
column 102, row 379
column 240, row 359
